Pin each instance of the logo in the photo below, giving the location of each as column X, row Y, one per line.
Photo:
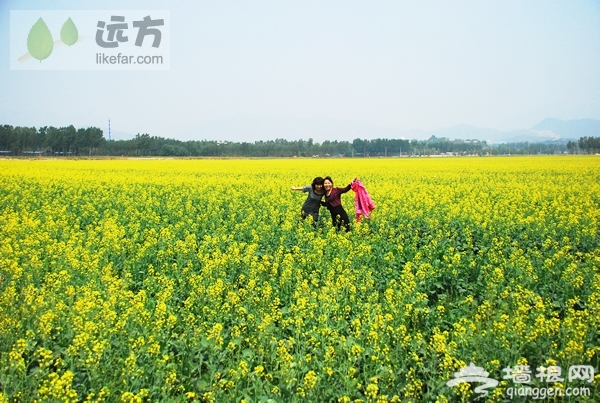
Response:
column 473, row 373
column 89, row 40
column 521, row 375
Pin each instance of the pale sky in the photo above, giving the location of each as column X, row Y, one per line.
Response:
column 337, row 70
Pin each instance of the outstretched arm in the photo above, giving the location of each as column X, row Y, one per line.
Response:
column 297, row 188
column 347, row 188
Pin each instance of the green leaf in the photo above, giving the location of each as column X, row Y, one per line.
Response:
column 68, row 33
column 39, row 41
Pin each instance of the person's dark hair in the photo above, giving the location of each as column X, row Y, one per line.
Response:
column 317, row 181
column 328, row 178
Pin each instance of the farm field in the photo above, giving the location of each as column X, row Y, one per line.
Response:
column 194, row 280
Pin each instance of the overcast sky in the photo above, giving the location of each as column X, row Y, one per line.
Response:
column 338, row 70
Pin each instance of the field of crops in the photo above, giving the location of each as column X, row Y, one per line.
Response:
column 194, row 280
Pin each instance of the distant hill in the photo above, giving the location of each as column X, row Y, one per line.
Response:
column 570, row 128
column 548, row 130
column 465, row 132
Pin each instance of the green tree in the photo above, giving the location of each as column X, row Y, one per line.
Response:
column 6, row 133
column 142, row 143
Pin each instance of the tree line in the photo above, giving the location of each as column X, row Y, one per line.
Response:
column 49, row 140
column 589, row 145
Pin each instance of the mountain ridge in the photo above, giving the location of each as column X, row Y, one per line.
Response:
column 549, row 129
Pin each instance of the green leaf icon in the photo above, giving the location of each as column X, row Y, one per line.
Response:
column 39, row 40
column 68, row 32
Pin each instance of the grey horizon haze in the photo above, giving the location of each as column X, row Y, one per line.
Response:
column 332, row 70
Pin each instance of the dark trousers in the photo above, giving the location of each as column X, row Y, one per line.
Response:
column 339, row 218
column 315, row 217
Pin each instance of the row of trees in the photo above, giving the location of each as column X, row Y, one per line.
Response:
column 90, row 141
column 48, row 139
column 71, row 141
column 589, row 145
column 526, row 148
column 146, row 145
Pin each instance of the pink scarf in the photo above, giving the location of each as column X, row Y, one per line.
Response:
column 363, row 203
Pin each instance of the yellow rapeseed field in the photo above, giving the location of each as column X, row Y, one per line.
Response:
column 195, row 280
